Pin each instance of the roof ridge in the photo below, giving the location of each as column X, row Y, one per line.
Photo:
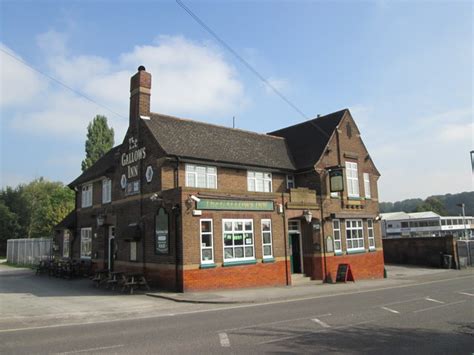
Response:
column 310, row 120
column 214, row 125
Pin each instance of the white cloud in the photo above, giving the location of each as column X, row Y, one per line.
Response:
column 189, row 78
column 457, row 132
column 19, row 84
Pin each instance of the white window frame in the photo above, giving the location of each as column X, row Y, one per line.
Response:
column 66, row 243
column 267, row 232
column 367, row 185
column 86, row 196
column 354, row 235
column 352, row 179
column 106, row 190
column 86, row 241
column 196, row 173
column 290, row 181
column 337, row 236
column 234, row 232
column 202, row 247
column 371, row 234
column 259, row 181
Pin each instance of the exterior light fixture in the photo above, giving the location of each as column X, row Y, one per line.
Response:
column 100, row 220
column 308, row 216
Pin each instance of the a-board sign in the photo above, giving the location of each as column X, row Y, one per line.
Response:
column 344, row 273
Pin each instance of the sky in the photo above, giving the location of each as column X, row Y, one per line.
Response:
column 403, row 68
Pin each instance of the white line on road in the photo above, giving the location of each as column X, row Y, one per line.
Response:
column 390, row 310
column 224, row 339
column 466, row 293
column 435, row 307
column 433, row 300
column 92, row 349
column 321, row 323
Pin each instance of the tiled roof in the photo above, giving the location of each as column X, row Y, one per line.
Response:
column 307, row 140
column 192, row 139
column 68, row 222
column 99, row 168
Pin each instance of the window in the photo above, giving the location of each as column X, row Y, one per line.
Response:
column 290, row 182
column 267, row 238
column 207, row 252
column 86, row 243
column 201, row 176
column 371, row 235
column 132, row 187
column 238, row 239
column 106, row 190
column 66, row 244
column 336, row 227
column 404, row 224
column 86, row 195
column 367, row 185
column 133, row 251
column 354, row 234
column 352, row 179
column 259, row 181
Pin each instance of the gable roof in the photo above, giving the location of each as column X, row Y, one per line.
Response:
column 99, row 168
column 204, row 141
column 307, row 140
column 68, row 222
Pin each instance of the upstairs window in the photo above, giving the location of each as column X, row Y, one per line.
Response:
column 106, row 190
column 259, row 181
column 201, row 176
column 367, row 185
column 290, row 182
column 352, row 179
column 86, row 197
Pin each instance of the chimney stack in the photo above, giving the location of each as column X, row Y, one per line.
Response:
column 140, row 91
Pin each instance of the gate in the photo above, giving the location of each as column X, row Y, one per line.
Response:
column 28, row 251
column 465, row 252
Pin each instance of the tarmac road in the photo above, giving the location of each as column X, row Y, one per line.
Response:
column 432, row 316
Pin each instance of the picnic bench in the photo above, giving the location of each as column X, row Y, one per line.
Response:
column 115, row 278
column 100, row 277
column 134, row 281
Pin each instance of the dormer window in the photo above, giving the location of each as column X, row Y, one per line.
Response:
column 86, row 196
column 259, row 181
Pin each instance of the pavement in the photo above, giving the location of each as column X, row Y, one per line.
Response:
column 397, row 275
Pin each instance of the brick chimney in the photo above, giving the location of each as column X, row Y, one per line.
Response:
column 140, row 91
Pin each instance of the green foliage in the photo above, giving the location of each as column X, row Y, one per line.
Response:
column 100, row 139
column 32, row 210
column 445, row 205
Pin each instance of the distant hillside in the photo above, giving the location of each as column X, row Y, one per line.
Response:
column 447, row 206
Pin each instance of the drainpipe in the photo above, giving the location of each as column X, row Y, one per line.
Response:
column 176, row 226
column 285, row 239
column 325, row 278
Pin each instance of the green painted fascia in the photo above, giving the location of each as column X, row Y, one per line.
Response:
column 242, row 262
column 356, row 251
column 207, row 266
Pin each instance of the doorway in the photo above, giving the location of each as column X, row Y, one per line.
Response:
column 111, row 248
column 296, row 245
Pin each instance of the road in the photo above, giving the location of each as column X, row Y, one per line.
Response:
column 432, row 317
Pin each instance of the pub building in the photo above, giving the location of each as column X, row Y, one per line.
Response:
column 196, row 206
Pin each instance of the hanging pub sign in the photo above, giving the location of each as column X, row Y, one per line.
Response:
column 161, row 232
column 336, row 179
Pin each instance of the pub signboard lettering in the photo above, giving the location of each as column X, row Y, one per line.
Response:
column 130, row 160
column 234, row 205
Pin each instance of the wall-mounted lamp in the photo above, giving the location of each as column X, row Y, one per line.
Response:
column 308, row 216
column 100, row 220
column 316, row 225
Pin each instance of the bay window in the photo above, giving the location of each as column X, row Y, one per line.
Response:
column 238, row 239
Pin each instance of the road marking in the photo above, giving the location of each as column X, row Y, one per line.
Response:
column 390, row 310
column 433, row 300
column 92, row 349
column 440, row 306
column 270, row 323
column 312, row 332
column 466, row 293
column 321, row 323
column 224, row 339
column 240, row 306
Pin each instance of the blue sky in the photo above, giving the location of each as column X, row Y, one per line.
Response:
column 403, row 68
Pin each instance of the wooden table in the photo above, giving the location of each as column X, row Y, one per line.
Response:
column 114, row 279
column 134, row 281
column 100, row 277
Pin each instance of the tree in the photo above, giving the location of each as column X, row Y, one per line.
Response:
column 432, row 204
column 100, row 139
column 9, row 227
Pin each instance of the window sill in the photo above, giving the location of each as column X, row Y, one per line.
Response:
column 338, row 253
column 354, row 198
column 268, row 260
column 241, row 262
column 85, row 257
column 372, row 249
column 207, row 266
column 357, row 251
column 107, row 203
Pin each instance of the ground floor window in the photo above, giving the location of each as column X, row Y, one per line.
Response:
column 86, row 243
column 66, row 244
column 336, row 227
column 354, row 234
column 238, row 239
column 370, row 233
column 207, row 252
column 267, row 238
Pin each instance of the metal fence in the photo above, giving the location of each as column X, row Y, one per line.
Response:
column 29, row 251
column 465, row 252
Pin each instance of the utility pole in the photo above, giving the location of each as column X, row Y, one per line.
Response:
column 463, row 219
